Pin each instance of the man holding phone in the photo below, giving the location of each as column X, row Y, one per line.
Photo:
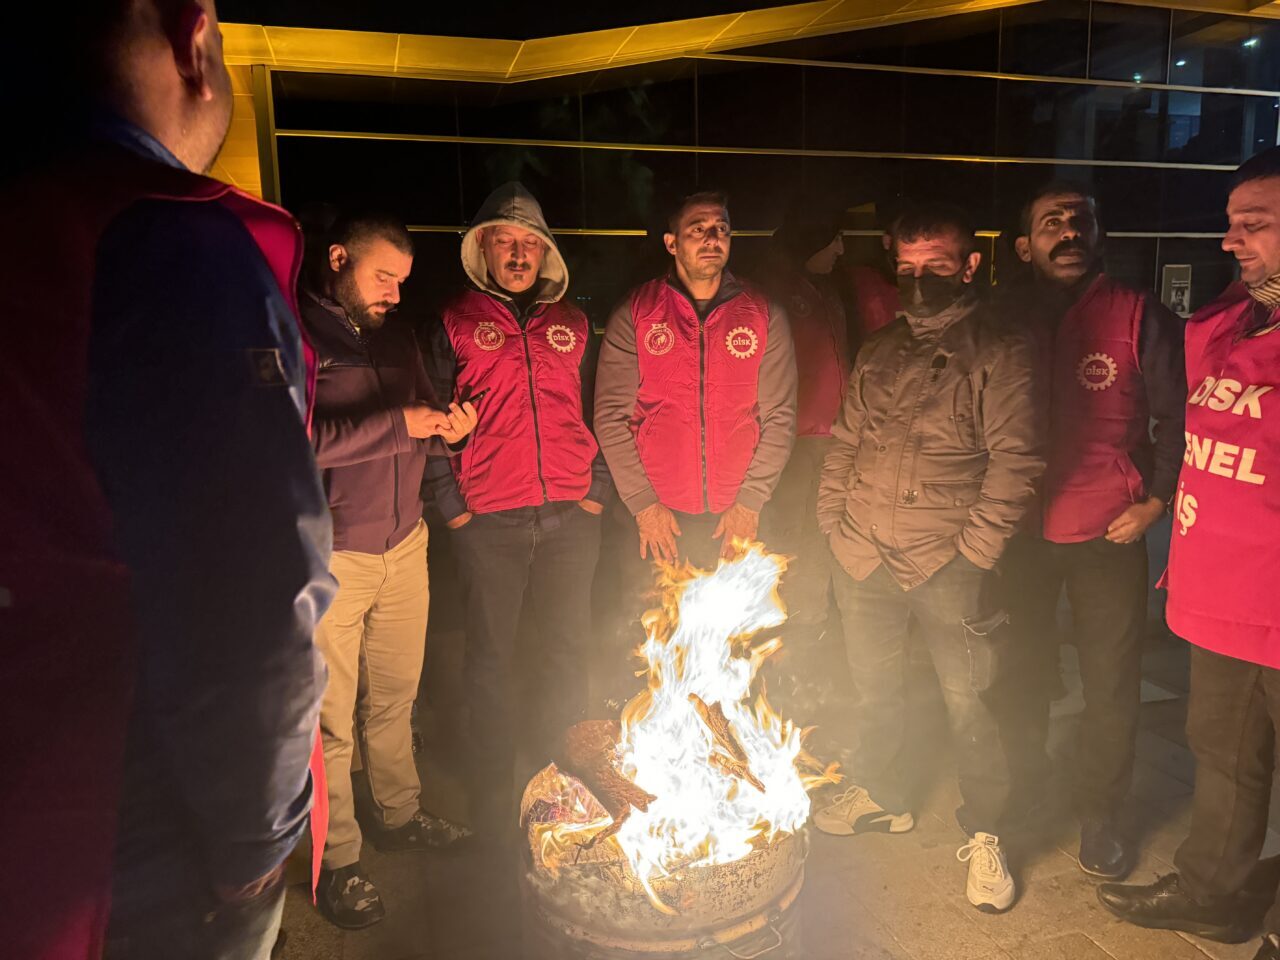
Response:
column 523, row 500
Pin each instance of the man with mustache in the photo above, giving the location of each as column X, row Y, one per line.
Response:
column 932, row 466
column 523, row 501
column 1223, row 553
column 376, row 419
column 696, row 396
column 1112, row 356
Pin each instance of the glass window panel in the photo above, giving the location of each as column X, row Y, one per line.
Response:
column 1129, row 43
column 1213, row 51
column 650, row 105
column 1049, row 38
column 1128, row 123
column 321, row 101
column 1128, row 197
column 883, row 45
column 539, row 110
column 634, row 189
column 603, row 269
column 1195, row 201
column 1219, row 128
column 748, row 105
column 1131, row 260
column 759, row 187
column 1043, row 119
column 552, row 174
column 963, row 42
column 932, row 122
column 852, row 110
column 1211, row 269
column 417, row 181
column 865, row 187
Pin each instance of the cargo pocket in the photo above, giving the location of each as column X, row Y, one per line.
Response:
column 987, row 640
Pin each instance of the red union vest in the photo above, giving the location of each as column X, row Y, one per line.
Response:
column 822, row 355
column 1098, row 414
column 530, row 445
column 1226, row 517
column 64, row 613
column 696, row 419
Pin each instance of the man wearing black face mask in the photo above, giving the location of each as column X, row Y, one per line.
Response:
column 1113, row 360
column 933, row 463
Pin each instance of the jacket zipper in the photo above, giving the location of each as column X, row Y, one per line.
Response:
column 533, row 402
column 702, row 406
column 395, row 471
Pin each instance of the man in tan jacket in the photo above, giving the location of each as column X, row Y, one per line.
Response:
column 934, row 460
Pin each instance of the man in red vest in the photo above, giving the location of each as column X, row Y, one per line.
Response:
column 1113, row 358
column 163, row 533
column 1226, row 542
column 696, row 397
column 523, row 499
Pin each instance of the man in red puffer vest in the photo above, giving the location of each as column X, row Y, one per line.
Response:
column 163, row 533
column 1112, row 356
column 523, row 499
column 695, row 399
column 1226, row 545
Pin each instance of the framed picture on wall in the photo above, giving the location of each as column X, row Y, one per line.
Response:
column 1175, row 288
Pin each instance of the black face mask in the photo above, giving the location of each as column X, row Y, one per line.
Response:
column 929, row 295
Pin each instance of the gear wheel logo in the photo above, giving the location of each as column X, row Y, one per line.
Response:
column 1097, row 371
column 742, row 342
column 561, row 338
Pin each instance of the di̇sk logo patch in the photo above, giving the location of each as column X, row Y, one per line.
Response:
column 742, row 342
column 488, row 336
column 659, row 340
column 561, row 338
column 1097, row 371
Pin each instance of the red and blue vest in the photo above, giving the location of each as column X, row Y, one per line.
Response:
column 530, row 445
column 1098, row 414
column 696, row 420
column 1226, row 514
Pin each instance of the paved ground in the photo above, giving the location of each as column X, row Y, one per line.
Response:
column 874, row 897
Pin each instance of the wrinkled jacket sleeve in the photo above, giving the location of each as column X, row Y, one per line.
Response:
column 439, row 478
column 1013, row 407
column 842, row 454
column 777, row 403
column 617, row 383
column 219, row 514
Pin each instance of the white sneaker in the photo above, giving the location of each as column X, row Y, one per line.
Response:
column 853, row 811
column 990, row 885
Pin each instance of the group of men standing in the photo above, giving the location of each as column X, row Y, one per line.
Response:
column 216, row 495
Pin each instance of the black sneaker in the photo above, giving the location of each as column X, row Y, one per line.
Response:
column 1270, row 949
column 424, row 831
column 1104, row 851
column 348, row 899
column 1164, row 905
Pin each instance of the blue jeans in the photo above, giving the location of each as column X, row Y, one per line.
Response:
column 951, row 610
column 207, row 930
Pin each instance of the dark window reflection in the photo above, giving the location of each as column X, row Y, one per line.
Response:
column 321, row 101
column 969, row 42
column 1194, row 202
column 1043, row 120
column 750, row 105
column 1132, row 260
column 863, row 186
column 633, row 189
column 1049, row 38
column 759, row 187
column 1129, row 43
column 541, row 110
column 552, row 174
column 853, row 110
column 1130, row 199
column 935, row 120
column 1214, row 51
column 654, row 104
column 883, row 45
column 1218, row 128
column 1128, row 124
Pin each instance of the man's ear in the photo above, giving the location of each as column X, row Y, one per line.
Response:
column 194, row 41
column 338, row 257
column 669, row 241
column 1022, row 247
column 971, row 264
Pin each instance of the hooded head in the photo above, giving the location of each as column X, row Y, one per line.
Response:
column 810, row 235
column 509, row 249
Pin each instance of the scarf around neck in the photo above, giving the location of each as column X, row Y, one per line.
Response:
column 1267, row 292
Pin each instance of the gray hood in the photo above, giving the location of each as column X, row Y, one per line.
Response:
column 513, row 205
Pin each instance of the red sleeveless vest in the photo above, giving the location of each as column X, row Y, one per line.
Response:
column 64, row 611
column 1226, row 517
column 531, row 444
column 1098, row 414
column 696, row 420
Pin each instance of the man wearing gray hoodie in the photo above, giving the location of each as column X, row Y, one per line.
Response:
column 523, row 500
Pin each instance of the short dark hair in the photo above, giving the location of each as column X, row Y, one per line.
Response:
column 717, row 198
column 929, row 220
column 1260, row 166
column 1054, row 188
column 354, row 228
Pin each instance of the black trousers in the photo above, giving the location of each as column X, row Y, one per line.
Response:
column 1106, row 585
column 1232, row 717
column 551, row 550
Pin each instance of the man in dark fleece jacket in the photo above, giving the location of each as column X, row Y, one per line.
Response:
column 375, row 421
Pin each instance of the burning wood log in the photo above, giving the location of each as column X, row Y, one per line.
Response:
column 588, row 755
column 735, row 764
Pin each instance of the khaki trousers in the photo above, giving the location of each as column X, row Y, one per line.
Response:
column 373, row 638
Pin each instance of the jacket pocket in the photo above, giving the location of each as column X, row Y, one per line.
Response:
column 949, row 494
column 987, row 640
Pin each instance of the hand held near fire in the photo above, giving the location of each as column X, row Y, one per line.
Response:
column 738, row 523
column 658, row 532
column 1135, row 520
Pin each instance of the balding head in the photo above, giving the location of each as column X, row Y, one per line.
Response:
column 158, row 64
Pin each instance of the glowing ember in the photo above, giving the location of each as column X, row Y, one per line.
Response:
column 723, row 770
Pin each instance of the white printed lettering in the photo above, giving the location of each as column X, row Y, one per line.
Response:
column 1224, row 394
column 1201, row 392
column 1185, row 510
column 1250, row 400
column 1223, row 461
column 1245, row 470
column 1197, row 451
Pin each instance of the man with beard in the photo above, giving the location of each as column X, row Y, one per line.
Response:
column 933, row 463
column 696, row 397
column 376, row 419
column 523, row 501
column 1225, row 546
column 1112, row 359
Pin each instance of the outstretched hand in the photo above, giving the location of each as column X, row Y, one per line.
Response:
column 738, row 522
column 658, row 531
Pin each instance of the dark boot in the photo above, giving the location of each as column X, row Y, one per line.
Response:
column 348, row 899
column 1270, row 949
column 1166, row 905
column 424, row 831
column 1104, row 851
